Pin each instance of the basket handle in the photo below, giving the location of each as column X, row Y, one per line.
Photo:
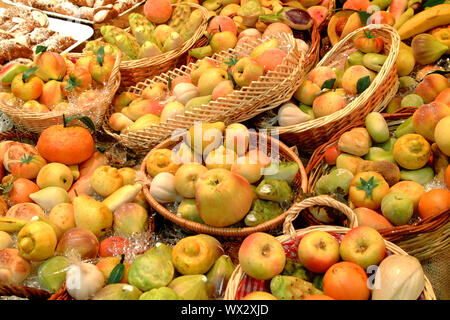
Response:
column 323, row 200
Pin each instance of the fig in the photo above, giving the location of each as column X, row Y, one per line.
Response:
column 411, row 100
column 374, row 61
column 397, row 208
column 355, row 58
column 292, row 288
column 162, row 250
column 118, row 291
column 339, row 178
column 377, row 127
column 406, row 82
column 163, row 293
column 379, row 154
column 388, row 145
column 427, row 49
column 406, row 127
column 274, row 190
column 421, row 176
column 150, row 271
column 218, row 276
column 190, row 287
column 262, row 211
column 295, row 18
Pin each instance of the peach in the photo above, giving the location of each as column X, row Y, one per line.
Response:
column 118, row 121
column 328, row 103
column 321, row 74
column 381, row 17
column 52, row 93
column 261, row 256
column 444, row 97
column 441, row 135
column 158, row 11
column 318, row 250
column 51, row 66
column 222, row 89
column 130, row 218
column 427, row 117
column 371, row 218
column 34, row 106
column 431, row 86
column 351, row 77
column 25, row 211
column 275, row 28
column 141, row 107
column 271, row 58
column 220, row 24
column 306, row 92
column 411, row 189
column 30, row 89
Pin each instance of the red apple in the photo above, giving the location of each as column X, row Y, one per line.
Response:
column 261, row 256
column 364, row 246
column 318, row 251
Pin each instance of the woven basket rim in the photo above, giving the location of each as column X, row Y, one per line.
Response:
column 378, row 82
column 169, row 55
column 395, row 233
column 202, row 228
column 238, row 274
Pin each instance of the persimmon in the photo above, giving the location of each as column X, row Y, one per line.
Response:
column 433, row 202
column 346, row 281
column 28, row 167
column 19, row 190
column 67, row 145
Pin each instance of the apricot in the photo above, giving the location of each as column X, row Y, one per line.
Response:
column 431, row 86
column 444, row 97
column 427, row 117
column 52, row 93
column 271, row 58
column 434, row 202
column 321, row 74
column 346, row 281
column 351, row 77
column 275, row 28
column 221, row 23
column 328, row 103
column 158, row 11
column 34, row 106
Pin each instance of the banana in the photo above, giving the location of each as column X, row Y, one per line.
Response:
column 123, row 195
column 423, row 21
column 11, row 225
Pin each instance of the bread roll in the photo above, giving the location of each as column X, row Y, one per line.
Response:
column 13, row 268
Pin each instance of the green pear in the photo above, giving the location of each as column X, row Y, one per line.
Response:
column 197, row 102
column 49, row 197
column 92, row 215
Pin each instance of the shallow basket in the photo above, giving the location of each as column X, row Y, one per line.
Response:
column 134, row 71
column 240, row 284
column 38, row 121
column 273, row 88
column 310, row 134
column 283, row 152
column 422, row 239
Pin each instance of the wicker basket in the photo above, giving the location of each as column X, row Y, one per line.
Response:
column 273, row 88
column 38, row 121
column 422, row 239
column 284, row 153
column 309, row 135
column 241, row 284
column 134, row 71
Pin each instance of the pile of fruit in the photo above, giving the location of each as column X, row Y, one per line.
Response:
column 54, row 83
column 327, row 90
column 214, row 178
column 406, row 176
column 161, row 28
column 326, row 266
column 61, row 202
column 207, row 81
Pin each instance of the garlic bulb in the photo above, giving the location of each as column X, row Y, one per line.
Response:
column 83, row 280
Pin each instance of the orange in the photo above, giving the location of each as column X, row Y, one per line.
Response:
column 66, row 145
column 447, row 176
column 346, row 281
column 433, row 202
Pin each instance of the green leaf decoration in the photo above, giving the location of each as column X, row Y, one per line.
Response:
column 60, row 78
column 117, row 273
column 270, row 17
column 169, row 83
column 432, row 3
column 6, row 189
column 318, row 282
column 26, row 158
column 40, row 49
column 230, row 76
column 441, row 72
column 362, row 84
column 328, row 84
column 71, row 83
column 86, row 120
column 231, row 62
column 368, row 186
column 29, row 73
column 100, row 54
column 363, row 15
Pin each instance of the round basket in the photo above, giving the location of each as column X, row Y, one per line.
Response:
column 240, row 284
column 273, row 88
column 38, row 121
column 284, row 153
column 310, row 134
column 422, row 239
column 134, row 71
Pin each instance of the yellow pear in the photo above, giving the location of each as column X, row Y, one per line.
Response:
column 92, row 215
column 205, row 137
